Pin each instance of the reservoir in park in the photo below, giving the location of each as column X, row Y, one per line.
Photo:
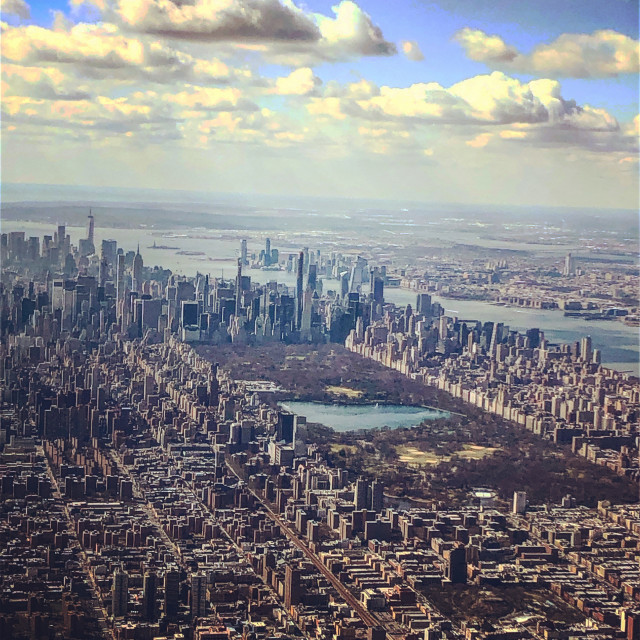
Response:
column 343, row 417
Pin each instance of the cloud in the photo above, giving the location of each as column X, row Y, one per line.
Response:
column 97, row 45
column 481, row 140
column 299, row 82
column 107, row 117
column 411, row 49
column 384, row 140
column 493, row 99
column 215, row 20
column 211, row 99
column 354, row 90
column 352, row 32
column 285, row 32
column 46, row 83
column 496, row 108
column 601, row 54
column 326, row 107
column 483, row 47
column 264, row 128
column 102, row 51
column 18, row 8
column 101, row 5
column 510, row 134
column 589, row 131
column 488, row 99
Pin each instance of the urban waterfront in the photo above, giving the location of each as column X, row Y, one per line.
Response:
column 620, row 343
column 218, row 253
column 139, row 425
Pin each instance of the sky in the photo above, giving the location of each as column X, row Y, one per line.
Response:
column 452, row 101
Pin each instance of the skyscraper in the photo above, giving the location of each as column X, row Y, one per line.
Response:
column 291, row 586
column 137, row 271
column 519, row 505
column 299, row 290
column 239, row 288
column 423, row 304
column 267, row 252
column 61, row 237
column 243, row 252
column 109, row 251
column 569, row 265
column 456, row 565
column 305, row 325
column 149, row 591
column 534, row 338
column 171, row 594
column 377, row 496
column 90, row 228
column 198, row 595
column 312, row 278
column 284, row 428
column 119, row 593
column 120, row 277
column 360, row 497
column 377, row 287
column 585, row 349
column 86, row 245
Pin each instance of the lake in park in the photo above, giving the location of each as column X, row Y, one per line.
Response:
column 341, row 417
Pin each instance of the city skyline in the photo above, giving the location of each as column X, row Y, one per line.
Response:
column 490, row 103
column 318, row 445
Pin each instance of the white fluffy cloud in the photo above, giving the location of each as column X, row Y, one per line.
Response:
column 483, row 47
column 97, row 45
column 482, row 110
column 110, row 118
column 102, row 51
column 604, row 53
column 300, row 82
column 351, row 32
column 494, row 99
column 48, row 83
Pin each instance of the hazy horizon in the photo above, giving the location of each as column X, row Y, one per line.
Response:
column 79, row 195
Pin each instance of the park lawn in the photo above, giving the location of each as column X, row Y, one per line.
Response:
column 476, row 452
column 413, row 455
column 345, row 391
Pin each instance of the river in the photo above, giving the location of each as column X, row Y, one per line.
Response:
column 617, row 342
